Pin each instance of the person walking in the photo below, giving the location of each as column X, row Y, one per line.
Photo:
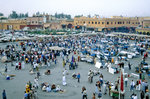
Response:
column 132, row 84
column 129, row 65
column 93, row 97
column 4, row 95
column 142, row 95
column 135, row 96
column 105, row 88
column 23, row 64
column 126, row 81
column 78, row 77
column 55, row 61
column 146, row 95
column 25, row 95
column 5, row 67
column 64, row 63
column 96, row 89
column 84, row 94
column 99, row 94
column 64, row 80
column 137, row 85
column 16, row 66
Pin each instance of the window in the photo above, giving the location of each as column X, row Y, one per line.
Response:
column 84, row 22
column 107, row 22
column 132, row 22
column 115, row 22
column 118, row 22
column 98, row 22
column 102, row 22
column 122, row 22
column 95, row 22
column 40, row 22
column 92, row 22
column 111, row 22
column 129, row 22
column 89, row 22
column 32, row 21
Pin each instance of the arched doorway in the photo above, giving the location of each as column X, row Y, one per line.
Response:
column 69, row 26
column 63, row 26
column 78, row 27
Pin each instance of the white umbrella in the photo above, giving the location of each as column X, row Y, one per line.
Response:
column 3, row 59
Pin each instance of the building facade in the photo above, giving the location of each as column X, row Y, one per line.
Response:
column 144, row 26
column 144, row 31
column 124, row 24
column 55, row 25
column 36, row 22
column 67, row 24
column 13, row 24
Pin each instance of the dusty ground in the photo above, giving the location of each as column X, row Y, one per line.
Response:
column 15, row 88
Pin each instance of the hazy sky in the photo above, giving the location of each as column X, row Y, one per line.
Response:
column 77, row 7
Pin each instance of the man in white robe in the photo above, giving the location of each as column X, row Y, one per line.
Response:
column 23, row 64
column 64, row 80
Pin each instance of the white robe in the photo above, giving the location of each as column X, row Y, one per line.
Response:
column 36, row 83
column 48, row 64
column 64, row 80
column 22, row 65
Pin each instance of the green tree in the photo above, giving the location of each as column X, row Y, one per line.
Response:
column 1, row 14
column 26, row 15
column 62, row 15
column 38, row 13
column 56, row 15
column 13, row 15
column 3, row 18
column 89, row 16
column 78, row 15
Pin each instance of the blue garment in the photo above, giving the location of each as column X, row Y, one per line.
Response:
column 25, row 95
column 48, row 89
column 131, row 88
column 101, row 82
column 4, row 95
column 55, row 61
column 78, row 76
column 99, row 95
column 8, row 78
column 96, row 90
column 126, row 83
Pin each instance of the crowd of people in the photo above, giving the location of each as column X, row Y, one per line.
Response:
column 38, row 54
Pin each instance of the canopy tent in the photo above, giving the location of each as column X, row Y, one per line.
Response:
column 95, row 49
column 93, row 55
column 84, row 52
column 3, row 59
column 56, row 48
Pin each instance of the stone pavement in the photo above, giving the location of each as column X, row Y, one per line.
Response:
column 15, row 88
